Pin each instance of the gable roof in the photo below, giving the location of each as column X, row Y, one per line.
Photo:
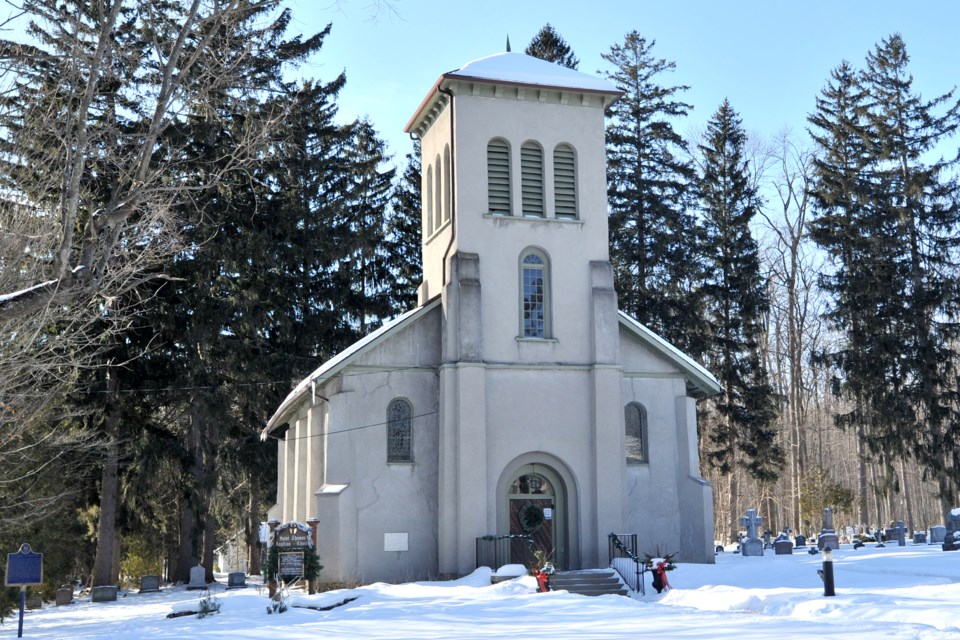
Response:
column 337, row 363
column 700, row 382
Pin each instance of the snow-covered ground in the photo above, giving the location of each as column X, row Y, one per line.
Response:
column 909, row 592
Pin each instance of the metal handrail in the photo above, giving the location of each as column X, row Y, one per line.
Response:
column 616, row 544
column 494, row 541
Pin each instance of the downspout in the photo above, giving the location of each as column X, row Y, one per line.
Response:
column 453, row 193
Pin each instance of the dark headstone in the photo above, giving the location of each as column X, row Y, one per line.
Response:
column 828, row 535
column 236, row 580
column 938, row 534
column 919, row 537
column 783, row 548
column 951, row 539
column 34, row 601
column 149, row 583
column 801, row 540
column 105, row 593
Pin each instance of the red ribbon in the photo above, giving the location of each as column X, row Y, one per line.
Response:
column 662, row 572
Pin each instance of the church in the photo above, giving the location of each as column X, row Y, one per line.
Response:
column 516, row 393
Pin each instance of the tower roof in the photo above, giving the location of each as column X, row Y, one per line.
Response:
column 518, row 70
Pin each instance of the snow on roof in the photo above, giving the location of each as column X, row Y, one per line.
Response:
column 335, row 364
column 699, row 376
column 520, row 68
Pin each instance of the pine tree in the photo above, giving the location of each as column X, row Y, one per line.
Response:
column 919, row 200
column 653, row 238
column 550, row 46
column 741, row 433
column 403, row 243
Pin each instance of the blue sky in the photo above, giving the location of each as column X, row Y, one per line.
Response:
column 769, row 58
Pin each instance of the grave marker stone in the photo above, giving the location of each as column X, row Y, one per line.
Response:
column 901, row 534
column 236, row 580
column 34, row 601
column 783, row 548
column 919, row 537
column 64, row 596
column 104, row 593
column 149, row 583
column 938, row 534
column 751, row 546
column 198, row 578
column 801, row 540
column 828, row 535
column 951, row 539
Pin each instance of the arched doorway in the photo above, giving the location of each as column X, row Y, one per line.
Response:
column 536, row 504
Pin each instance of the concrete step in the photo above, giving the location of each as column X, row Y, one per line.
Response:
column 587, row 583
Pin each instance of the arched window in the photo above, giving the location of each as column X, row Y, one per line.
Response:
column 399, row 431
column 565, row 182
column 498, row 177
column 438, row 211
column 429, row 191
column 635, row 421
column 531, row 179
column 447, row 184
column 534, row 294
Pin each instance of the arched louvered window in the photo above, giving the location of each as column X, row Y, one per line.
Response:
column 399, row 431
column 447, row 184
column 635, row 421
column 564, row 182
column 429, row 193
column 498, row 177
column 438, row 201
column 531, row 179
column 534, row 294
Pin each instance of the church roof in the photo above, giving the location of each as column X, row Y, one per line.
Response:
column 337, row 363
column 514, row 69
column 519, row 68
column 700, row 382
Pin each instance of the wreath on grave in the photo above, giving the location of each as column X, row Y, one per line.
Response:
column 531, row 517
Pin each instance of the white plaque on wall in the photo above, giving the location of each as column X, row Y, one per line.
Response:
column 548, row 513
column 395, row 542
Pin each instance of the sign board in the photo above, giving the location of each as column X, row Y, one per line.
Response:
column 293, row 535
column 395, row 542
column 291, row 564
column 24, row 568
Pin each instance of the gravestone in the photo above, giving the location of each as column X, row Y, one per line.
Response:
column 34, row 601
column 801, row 540
column 198, row 578
column 919, row 537
column 783, row 548
column 64, row 596
column 149, row 583
column 951, row 539
column 901, row 534
column 767, row 543
column 938, row 534
column 751, row 546
column 236, row 580
column 104, row 593
column 828, row 535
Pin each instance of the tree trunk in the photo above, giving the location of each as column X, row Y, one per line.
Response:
column 253, row 531
column 109, row 495
column 863, row 483
column 185, row 556
column 209, row 540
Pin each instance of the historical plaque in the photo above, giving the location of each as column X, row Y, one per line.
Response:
column 291, row 564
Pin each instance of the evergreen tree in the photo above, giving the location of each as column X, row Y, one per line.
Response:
column 919, row 201
column 363, row 273
column 403, row 243
column 889, row 217
column 740, row 434
column 653, row 239
column 550, row 46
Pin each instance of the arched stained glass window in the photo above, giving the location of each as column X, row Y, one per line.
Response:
column 399, row 431
column 534, row 294
column 635, row 424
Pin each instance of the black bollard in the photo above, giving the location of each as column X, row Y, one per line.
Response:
column 828, row 572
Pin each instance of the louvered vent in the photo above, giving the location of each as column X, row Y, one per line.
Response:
column 498, row 177
column 531, row 179
column 564, row 182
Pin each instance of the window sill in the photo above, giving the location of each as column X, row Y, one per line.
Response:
column 536, row 340
column 507, row 216
column 403, row 463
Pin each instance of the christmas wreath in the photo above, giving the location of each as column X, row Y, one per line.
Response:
column 531, row 517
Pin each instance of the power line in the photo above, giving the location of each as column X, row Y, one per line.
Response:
column 349, row 429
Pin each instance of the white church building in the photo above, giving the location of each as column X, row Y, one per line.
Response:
column 516, row 381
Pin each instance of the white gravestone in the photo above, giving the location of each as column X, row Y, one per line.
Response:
column 198, row 578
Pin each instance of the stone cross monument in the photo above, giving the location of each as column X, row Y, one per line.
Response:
column 751, row 546
column 828, row 535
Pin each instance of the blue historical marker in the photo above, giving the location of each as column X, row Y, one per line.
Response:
column 24, row 569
